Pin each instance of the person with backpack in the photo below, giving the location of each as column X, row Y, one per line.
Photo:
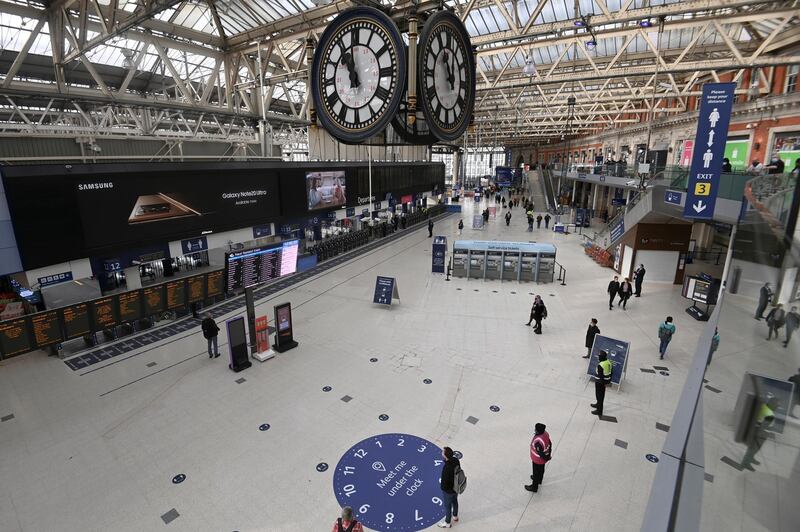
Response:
column 602, row 379
column 347, row 523
column 546, row 221
column 776, row 320
column 541, row 453
column 665, row 332
column 539, row 312
column 210, row 332
column 539, row 222
column 453, row 482
column 460, row 226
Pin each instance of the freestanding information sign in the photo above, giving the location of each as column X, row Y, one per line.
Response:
column 617, row 354
column 709, row 149
column 237, row 344
column 263, row 350
column 385, row 290
column 284, row 336
column 439, row 254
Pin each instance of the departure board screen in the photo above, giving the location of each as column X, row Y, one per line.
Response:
column 153, row 299
column 106, row 314
column 46, row 328
column 76, row 321
column 260, row 265
column 215, row 283
column 15, row 337
column 196, row 288
column 130, row 305
column 176, row 294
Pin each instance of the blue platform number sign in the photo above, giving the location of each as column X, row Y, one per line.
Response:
column 193, row 245
column 673, row 196
column 385, row 290
column 712, row 132
column 392, row 482
column 49, row 280
column 439, row 254
column 617, row 354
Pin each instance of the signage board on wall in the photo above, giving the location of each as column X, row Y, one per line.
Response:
column 736, row 152
column 193, row 245
column 56, row 278
column 260, row 231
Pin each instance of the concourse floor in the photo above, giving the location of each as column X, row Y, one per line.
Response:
column 98, row 449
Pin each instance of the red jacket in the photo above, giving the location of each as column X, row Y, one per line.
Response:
column 542, row 441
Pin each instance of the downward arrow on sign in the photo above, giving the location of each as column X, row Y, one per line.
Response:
column 699, row 206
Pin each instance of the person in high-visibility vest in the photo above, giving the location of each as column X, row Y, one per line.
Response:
column 602, row 379
column 765, row 417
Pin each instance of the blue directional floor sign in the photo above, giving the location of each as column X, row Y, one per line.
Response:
column 709, row 149
column 392, row 482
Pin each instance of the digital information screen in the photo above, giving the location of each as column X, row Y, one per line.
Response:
column 196, row 288
column 76, row 321
column 215, row 283
column 153, row 299
column 176, row 294
column 15, row 337
column 130, row 306
column 46, row 328
column 105, row 313
column 260, row 265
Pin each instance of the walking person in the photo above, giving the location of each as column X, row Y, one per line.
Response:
column 591, row 332
column 541, row 453
column 539, row 222
column 347, row 523
column 665, row 332
column 638, row 278
column 430, row 228
column 460, row 226
column 546, row 221
column 448, row 486
column 508, row 218
column 612, row 290
column 530, row 222
column 775, row 320
column 625, row 293
column 210, row 332
column 764, row 298
column 765, row 417
column 539, row 314
column 792, row 324
column 536, row 301
column 602, row 378
column 714, row 345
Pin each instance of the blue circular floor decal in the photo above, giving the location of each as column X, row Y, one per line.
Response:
column 427, row 381
column 494, row 408
column 263, row 427
column 322, row 467
column 392, row 482
column 653, row 458
column 326, row 388
column 373, row 359
column 177, row 479
column 383, row 417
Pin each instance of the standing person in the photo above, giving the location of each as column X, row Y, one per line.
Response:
column 775, row 320
column 726, row 166
column 714, row 345
column 530, row 222
column 460, row 226
column 546, row 221
column 638, row 277
column 764, row 297
column 539, row 314
column 612, row 290
column 347, row 523
column 665, row 332
column 430, row 228
column 625, row 292
column 539, row 222
column 792, row 324
column 591, row 332
column 796, row 399
column 541, row 453
column 210, row 332
column 765, row 417
column 508, row 218
column 536, row 301
column 602, row 378
column 448, row 485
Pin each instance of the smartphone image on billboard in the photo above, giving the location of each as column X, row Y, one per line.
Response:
column 158, row 207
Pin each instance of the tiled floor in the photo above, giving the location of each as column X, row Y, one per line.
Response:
column 99, row 451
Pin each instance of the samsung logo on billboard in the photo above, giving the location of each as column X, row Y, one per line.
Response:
column 95, row 186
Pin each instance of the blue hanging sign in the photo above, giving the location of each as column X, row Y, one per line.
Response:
column 385, row 290
column 193, row 245
column 262, row 230
column 673, row 196
column 618, row 229
column 712, row 132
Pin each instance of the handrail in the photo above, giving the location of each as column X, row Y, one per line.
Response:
column 562, row 274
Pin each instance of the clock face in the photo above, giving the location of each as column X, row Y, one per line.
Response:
column 392, row 482
column 358, row 73
column 446, row 70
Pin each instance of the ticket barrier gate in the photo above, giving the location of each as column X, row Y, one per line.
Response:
column 527, row 267
column 494, row 262
column 511, row 267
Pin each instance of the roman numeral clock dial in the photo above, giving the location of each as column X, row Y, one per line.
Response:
column 358, row 74
column 446, row 70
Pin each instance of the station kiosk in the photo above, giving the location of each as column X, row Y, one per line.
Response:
column 494, row 264
column 506, row 261
column 460, row 262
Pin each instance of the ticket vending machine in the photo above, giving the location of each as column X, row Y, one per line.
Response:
column 546, row 268
column 494, row 262
column 527, row 266
column 477, row 260
column 460, row 262
column 511, row 266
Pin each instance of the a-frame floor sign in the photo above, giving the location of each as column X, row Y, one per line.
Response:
column 385, row 291
column 618, row 351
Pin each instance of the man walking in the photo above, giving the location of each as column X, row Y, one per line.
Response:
column 210, row 332
column 591, row 332
column 448, row 486
column 665, row 332
column 539, row 222
column 508, row 218
column 763, row 300
column 430, row 228
column 613, row 290
column 541, row 452
column 547, row 221
column 539, row 313
column 638, row 278
column 775, row 320
column 792, row 324
column 602, row 378
column 625, row 293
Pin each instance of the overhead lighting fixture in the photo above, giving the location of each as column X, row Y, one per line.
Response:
column 646, row 23
column 529, row 69
column 590, row 44
column 580, row 22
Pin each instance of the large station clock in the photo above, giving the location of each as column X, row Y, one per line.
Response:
column 446, row 70
column 358, row 74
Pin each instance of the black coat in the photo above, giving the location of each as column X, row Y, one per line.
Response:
column 590, row 334
column 638, row 276
column 625, row 289
column 447, row 482
column 539, row 311
column 210, row 328
column 613, row 287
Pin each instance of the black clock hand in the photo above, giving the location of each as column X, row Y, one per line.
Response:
column 350, row 63
column 450, row 77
